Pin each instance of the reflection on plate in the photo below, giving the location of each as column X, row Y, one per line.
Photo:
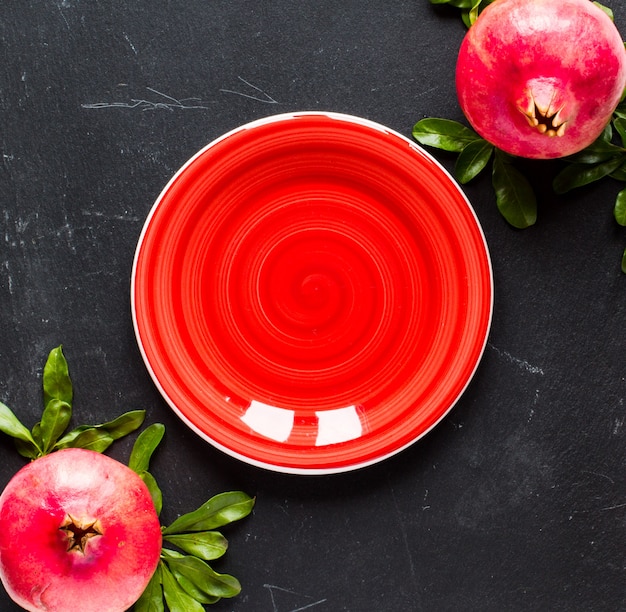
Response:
column 312, row 293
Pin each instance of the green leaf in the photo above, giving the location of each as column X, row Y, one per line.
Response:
column 207, row 545
column 56, row 378
column 514, row 196
column 219, row 510
column 578, row 175
column 443, row 134
column 177, row 599
column 619, row 123
column 27, row 449
column 37, row 437
column 117, row 428
column 463, row 4
column 54, row 420
column 620, row 173
column 12, row 426
column 204, row 577
column 124, row 424
column 155, row 491
column 606, row 9
column 597, row 152
column 151, row 599
column 473, row 12
column 191, row 589
column 620, row 207
column 91, row 439
column 144, row 447
column 472, row 160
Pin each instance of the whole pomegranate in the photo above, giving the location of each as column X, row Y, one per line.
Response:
column 78, row 533
column 541, row 78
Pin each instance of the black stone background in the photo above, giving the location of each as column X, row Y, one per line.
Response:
column 514, row 502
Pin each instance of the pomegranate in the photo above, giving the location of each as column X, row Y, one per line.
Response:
column 541, row 78
column 78, row 533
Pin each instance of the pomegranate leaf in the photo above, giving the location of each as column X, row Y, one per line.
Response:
column 444, row 134
column 620, row 207
column 514, row 195
column 56, row 379
column 90, row 439
column 115, row 429
column 144, row 447
column 578, row 175
column 207, row 545
column 472, row 160
column 140, row 456
column 620, row 173
column 220, row 510
column 203, row 576
column 456, row 3
column 155, row 491
column 596, row 153
column 177, row 599
column 12, row 426
column 619, row 123
column 54, row 421
column 151, row 599
column 606, row 9
column 191, row 589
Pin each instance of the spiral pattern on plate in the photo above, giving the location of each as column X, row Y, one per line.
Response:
column 312, row 293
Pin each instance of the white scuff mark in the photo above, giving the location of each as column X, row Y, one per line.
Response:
column 617, row 426
column 272, row 588
column 99, row 214
column 9, row 278
column 615, row 507
column 521, row 363
column 163, row 102
column 130, row 44
column 63, row 5
column 263, row 97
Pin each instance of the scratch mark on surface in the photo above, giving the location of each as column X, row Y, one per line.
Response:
column 615, row 507
column 266, row 98
column 130, row 43
column 61, row 6
column 9, row 278
column 166, row 103
column 521, row 363
column 89, row 213
column 272, row 587
column 599, row 475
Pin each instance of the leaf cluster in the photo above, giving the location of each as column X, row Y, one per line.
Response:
column 606, row 157
column 515, row 197
column 183, row 580
column 50, row 434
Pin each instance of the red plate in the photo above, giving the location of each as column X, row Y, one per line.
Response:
column 312, row 293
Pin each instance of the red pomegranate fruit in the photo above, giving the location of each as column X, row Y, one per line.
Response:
column 541, row 78
column 78, row 533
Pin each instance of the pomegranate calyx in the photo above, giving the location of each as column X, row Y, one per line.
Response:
column 79, row 532
column 543, row 109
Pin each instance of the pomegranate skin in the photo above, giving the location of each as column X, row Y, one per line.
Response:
column 523, row 59
column 121, row 534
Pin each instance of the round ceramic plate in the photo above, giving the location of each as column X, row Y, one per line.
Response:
column 312, row 293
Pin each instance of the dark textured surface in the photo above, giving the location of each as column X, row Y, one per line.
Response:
column 515, row 502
